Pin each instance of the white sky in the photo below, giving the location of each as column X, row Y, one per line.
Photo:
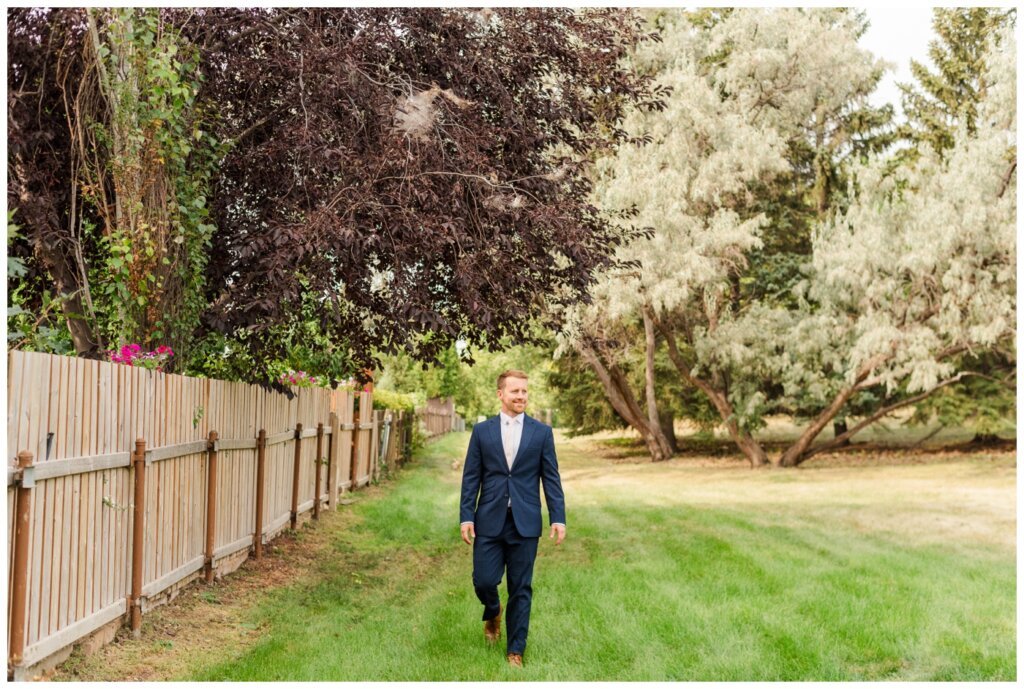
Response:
column 898, row 34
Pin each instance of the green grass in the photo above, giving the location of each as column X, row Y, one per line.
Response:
column 639, row 591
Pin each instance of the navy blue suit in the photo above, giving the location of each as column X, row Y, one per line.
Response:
column 506, row 535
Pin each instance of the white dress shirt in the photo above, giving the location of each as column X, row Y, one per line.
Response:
column 511, row 435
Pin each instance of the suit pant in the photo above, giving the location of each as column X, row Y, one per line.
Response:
column 492, row 557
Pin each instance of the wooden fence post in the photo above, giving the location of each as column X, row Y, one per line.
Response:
column 333, row 446
column 400, row 438
column 19, row 586
column 354, row 463
column 295, row 476
column 138, row 528
column 211, row 504
column 261, row 462
column 375, row 445
column 317, row 464
column 407, row 432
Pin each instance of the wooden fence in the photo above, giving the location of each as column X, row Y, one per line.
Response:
column 438, row 417
column 127, row 484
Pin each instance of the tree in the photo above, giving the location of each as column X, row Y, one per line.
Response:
column 110, row 167
column 942, row 100
column 746, row 89
column 821, row 145
column 396, row 179
column 917, row 274
column 921, row 268
column 419, row 171
column 39, row 148
column 936, row 104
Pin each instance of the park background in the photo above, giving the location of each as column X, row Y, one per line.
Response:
column 710, row 245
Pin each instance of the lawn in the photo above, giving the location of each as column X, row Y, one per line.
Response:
column 684, row 570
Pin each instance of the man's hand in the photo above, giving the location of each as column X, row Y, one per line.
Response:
column 560, row 530
column 468, row 533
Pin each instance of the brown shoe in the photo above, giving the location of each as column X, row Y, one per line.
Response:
column 492, row 627
column 515, row 659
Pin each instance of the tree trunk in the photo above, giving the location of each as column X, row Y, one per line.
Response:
column 795, row 453
column 666, row 420
column 985, row 439
column 653, row 418
column 621, row 397
column 743, row 439
column 839, row 429
column 656, row 443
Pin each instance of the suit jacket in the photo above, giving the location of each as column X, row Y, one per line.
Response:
column 486, row 476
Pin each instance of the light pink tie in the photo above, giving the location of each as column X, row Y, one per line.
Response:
column 510, row 451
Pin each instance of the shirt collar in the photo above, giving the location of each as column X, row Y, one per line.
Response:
column 515, row 419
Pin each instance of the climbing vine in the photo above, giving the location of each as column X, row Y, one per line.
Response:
column 147, row 159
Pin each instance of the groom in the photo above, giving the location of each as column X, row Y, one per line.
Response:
column 509, row 455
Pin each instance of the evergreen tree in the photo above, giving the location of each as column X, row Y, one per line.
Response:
column 940, row 100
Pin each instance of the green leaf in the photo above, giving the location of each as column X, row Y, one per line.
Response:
column 15, row 267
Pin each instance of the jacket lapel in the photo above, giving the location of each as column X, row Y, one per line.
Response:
column 499, row 447
column 528, row 426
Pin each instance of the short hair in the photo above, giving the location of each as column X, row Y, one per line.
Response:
column 511, row 373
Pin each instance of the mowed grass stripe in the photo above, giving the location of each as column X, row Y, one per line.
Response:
column 637, row 592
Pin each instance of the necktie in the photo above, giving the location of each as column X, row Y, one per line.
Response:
column 510, row 450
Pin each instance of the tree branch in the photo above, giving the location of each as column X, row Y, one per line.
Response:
column 885, row 411
column 1007, row 177
column 270, row 23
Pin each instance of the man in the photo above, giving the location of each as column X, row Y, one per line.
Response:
column 509, row 456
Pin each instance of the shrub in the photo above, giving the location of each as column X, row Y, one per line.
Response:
column 387, row 399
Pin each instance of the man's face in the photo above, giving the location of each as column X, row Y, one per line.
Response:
column 513, row 396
